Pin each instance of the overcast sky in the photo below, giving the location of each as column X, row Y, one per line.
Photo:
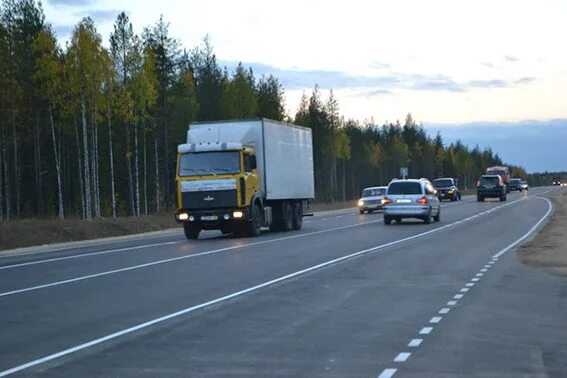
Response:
column 443, row 61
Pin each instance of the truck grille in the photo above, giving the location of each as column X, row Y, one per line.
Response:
column 214, row 199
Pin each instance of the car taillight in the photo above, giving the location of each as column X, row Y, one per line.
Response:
column 386, row 201
column 422, row 201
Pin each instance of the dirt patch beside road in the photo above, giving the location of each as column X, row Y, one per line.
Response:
column 32, row 232
column 549, row 248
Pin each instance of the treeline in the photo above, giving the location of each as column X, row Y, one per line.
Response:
column 91, row 131
column 545, row 178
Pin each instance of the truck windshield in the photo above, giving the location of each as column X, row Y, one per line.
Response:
column 442, row 183
column 209, row 163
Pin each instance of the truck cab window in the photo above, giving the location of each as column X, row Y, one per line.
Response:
column 249, row 163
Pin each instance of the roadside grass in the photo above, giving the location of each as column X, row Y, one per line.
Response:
column 548, row 249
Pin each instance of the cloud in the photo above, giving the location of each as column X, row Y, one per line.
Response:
column 434, row 83
column 525, row 80
column 103, row 15
column 379, row 65
column 71, row 2
column 488, row 84
column 510, row 58
column 488, row 64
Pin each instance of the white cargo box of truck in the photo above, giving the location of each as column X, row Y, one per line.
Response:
column 284, row 153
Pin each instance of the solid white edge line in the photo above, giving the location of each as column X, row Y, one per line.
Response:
column 424, row 330
column 527, row 234
column 179, row 242
column 159, row 262
column 388, row 373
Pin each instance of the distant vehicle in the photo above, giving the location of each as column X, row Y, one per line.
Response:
column 411, row 198
column 371, row 199
column 564, row 182
column 525, row 185
column 516, row 185
column 556, row 181
column 490, row 186
column 503, row 172
column 240, row 176
column 447, row 189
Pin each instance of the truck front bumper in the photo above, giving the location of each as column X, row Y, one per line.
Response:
column 212, row 219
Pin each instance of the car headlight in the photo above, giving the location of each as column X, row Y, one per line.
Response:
column 360, row 203
column 450, row 191
column 183, row 216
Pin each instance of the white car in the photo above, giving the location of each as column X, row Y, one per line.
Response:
column 371, row 199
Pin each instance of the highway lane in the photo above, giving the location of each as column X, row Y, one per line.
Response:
column 410, row 275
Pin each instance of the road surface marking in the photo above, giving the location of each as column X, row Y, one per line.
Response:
column 388, row 373
column 91, row 343
column 164, row 261
column 480, row 274
column 470, row 284
column 87, row 254
column 414, row 343
column 464, row 289
column 484, row 270
column 426, row 330
column 402, row 357
column 476, row 279
column 436, row 319
column 458, row 296
column 444, row 310
column 452, row 303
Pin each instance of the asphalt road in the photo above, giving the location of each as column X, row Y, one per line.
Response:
column 346, row 296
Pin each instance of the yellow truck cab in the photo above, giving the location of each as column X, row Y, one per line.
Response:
column 240, row 176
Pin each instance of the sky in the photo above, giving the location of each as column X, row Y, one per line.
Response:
column 447, row 62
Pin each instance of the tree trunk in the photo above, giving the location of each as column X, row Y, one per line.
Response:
column 37, row 166
column 145, row 179
column 95, row 164
column 166, row 149
column 6, row 183
column 344, row 180
column 80, row 164
column 61, row 212
column 86, row 162
column 112, row 188
column 2, row 157
column 136, row 170
column 129, row 168
column 15, row 150
column 158, row 197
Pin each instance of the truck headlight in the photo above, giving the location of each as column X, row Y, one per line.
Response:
column 183, row 216
column 238, row 214
column 360, row 203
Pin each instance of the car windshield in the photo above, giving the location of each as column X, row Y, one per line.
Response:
column 442, row 183
column 373, row 192
column 209, row 163
column 404, row 187
column 489, row 180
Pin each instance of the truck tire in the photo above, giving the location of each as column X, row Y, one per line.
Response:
column 191, row 231
column 287, row 216
column 297, row 216
column 255, row 224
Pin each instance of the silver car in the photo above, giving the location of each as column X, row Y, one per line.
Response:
column 371, row 199
column 411, row 199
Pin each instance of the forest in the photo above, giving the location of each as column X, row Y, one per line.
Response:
column 91, row 131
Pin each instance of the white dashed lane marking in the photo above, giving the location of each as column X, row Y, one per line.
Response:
column 426, row 330
column 458, row 296
column 402, row 357
column 451, row 303
column 444, row 310
column 414, row 343
column 436, row 319
column 388, row 373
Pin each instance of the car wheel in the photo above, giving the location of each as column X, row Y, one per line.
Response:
column 387, row 220
column 361, row 211
column 437, row 217
column 427, row 219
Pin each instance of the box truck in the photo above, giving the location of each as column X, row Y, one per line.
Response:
column 503, row 172
column 240, row 176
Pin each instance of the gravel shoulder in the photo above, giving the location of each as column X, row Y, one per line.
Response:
column 548, row 250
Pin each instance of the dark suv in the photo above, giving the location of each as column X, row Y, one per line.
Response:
column 447, row 189
column 516, row 184
column 490, row 186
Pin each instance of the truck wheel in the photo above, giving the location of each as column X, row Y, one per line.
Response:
column 255, row 224
column 297, row 216
column 287, row 217
column 191, row 231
